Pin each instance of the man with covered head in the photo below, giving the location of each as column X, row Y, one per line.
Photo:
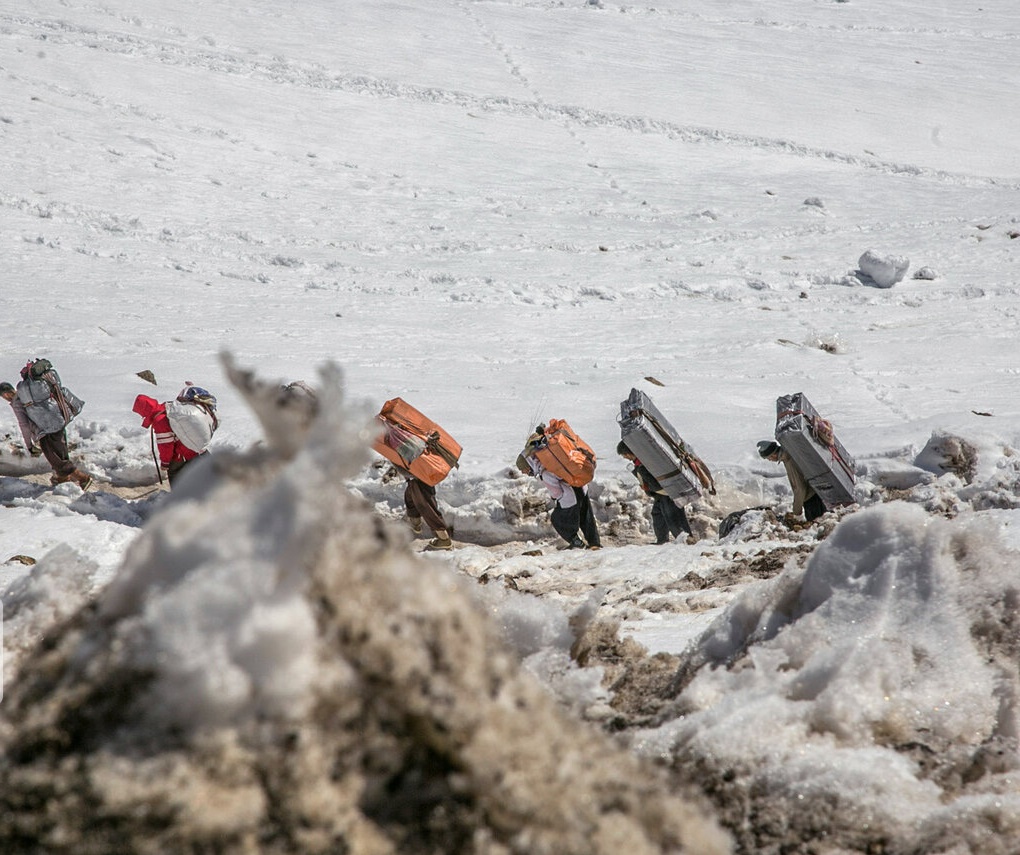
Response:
column 572, row 514
column 805, row 499
column 44, row 408
column 181, row 429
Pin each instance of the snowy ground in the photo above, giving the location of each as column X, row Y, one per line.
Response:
column 510, row 211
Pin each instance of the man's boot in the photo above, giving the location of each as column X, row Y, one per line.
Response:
column 82, row 479
column 441, row 541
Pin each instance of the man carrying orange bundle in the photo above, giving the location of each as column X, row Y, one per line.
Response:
column 425, row 454
column 565, row 464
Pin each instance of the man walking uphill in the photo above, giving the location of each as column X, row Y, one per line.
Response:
column 180, row 429
column 49, row 407
column 804, row 497
column 668, row 518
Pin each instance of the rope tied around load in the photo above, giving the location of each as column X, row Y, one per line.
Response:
column 822, row 431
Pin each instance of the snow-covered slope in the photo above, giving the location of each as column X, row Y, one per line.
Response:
column 510, row 211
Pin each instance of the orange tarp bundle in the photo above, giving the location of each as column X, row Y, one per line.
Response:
column 415, row 443
column 566, row 455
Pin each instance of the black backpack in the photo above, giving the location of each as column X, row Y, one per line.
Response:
column 35, row 368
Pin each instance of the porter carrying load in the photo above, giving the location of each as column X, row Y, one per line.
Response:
column 809, row 440
column 49, row 404
column 655, row 442
column 563, row 453
column 415, row 443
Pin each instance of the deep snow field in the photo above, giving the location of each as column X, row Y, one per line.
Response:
column 506, row 212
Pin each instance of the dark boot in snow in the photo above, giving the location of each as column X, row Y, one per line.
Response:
column 441, row 541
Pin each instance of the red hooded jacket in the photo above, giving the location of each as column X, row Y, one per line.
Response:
column 153, row 415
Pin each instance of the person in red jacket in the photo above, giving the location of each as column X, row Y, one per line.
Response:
column 194, row 413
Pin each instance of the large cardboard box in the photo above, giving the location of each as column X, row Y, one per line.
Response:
column 656, row 443
column 827, row 465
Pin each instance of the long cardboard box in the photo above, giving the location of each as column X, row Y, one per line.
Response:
column 656, row 443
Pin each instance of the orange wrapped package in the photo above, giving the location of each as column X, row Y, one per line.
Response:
column 415, row 443
column 565, row 454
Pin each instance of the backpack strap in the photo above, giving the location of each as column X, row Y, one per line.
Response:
column 692, row 461
column 698, row 467
column 155, row 458
column 208, row 409
column 57, row 394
